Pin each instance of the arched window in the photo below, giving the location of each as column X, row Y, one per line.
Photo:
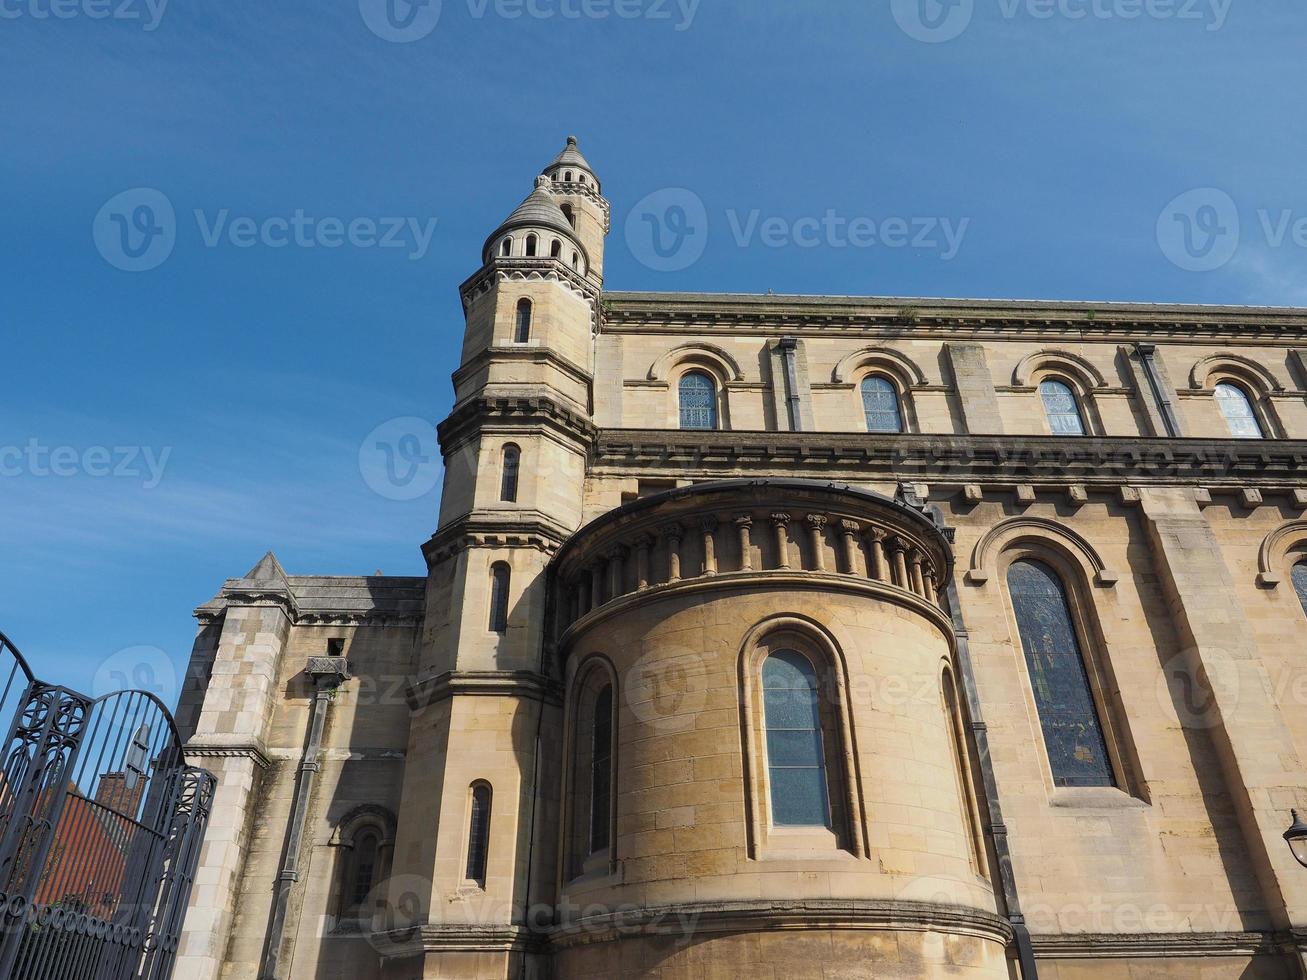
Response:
column 522, row 329
column 796, row 766
column 569, row 214
column 556, row 249
column 1073, row 731
column 698, row 399
column 567, row 177
column 361, row 871
column 1061, row 408
column 576, row 260
column 510, row 464
column 507, row 247
column 880, row 404
column 601, row 771
column 531, row 243
column 478, row 835
column 500, row 578
column 1237, row 408
column 1299, row 576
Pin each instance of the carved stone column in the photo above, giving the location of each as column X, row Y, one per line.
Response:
column 879, row 569
column 642, row 544
column 898, row 559
column 782, row 524
column 596, row 586
column 850, row 530
column 672, row 534
column 817, row 525
column 708, row 524
column 932, row 588
column 745, row 523
column 918, row 583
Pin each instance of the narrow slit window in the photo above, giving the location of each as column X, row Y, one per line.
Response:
column 796, row 766
column 880, row 405
column 500, row 578
column 507, row 247
column 509, row 470
column 1064, row 696
column 522, row 329
column 601, row 771
column 478, row 841
column 556, row 249
column 531, row 244
column 366, row 848
column 1237, row 408
column 1061, row 408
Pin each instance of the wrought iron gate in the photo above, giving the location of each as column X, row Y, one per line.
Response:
column 101, row 823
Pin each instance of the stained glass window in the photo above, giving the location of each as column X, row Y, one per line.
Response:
column 478, row 841
column 1061, row 408
column 1299, row 575
column 1238, row 411
column 523, row 331
column 796, row 769
column 1073, row 733
column 499, row 582
column 880, row 404
column 698, row 401
column 601, row 771
column 512, row 461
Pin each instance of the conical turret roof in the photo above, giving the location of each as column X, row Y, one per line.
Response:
column 571, row 159
column 539, row 210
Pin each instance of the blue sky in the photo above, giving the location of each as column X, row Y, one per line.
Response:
column 231, row 387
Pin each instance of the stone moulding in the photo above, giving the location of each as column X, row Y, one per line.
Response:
column 475, row 414
column 1059, row 361
column 492, row 530
column 1270, row 556
column 760, row 533
column 1040, row 529
column 455, row 938
column 799, row 914
column 1095, row 945
column 525, row 684
column 1092, row 461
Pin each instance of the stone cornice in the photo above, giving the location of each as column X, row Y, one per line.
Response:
column 522, row 352
column 1098, row 945
column 895, row 317
column 523, row 269
column 513, row 530
column 701, row 918
column 244, row 598
column 473, row 415
column 526, row 684
column 210, row 747
column 1106, row 460
column 455, row 938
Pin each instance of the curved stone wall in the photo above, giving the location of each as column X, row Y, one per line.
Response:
column 698, row 881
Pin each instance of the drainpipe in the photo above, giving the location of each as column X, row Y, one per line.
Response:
column 328, row 673
column 788, row 347
column 997, row 829
column 1165, row 400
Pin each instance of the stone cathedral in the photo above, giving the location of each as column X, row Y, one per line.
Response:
column 787, row 637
